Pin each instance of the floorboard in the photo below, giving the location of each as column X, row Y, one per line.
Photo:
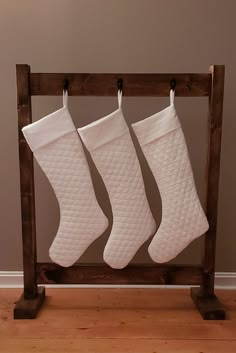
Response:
column 117, row 320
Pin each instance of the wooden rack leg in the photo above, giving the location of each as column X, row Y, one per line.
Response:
column 204, row 297
column 32, row 298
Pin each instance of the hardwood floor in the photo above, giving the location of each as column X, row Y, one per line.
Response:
column 117, row 321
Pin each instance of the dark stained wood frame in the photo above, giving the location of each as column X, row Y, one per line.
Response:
column 209, row 85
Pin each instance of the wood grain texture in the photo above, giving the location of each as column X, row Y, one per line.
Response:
column 213, row 174
column 209, row 306
column 26, row 182
column 120, row 345
column 49, row 273
column 117, row 320
column 146, row 85
column 29, row 308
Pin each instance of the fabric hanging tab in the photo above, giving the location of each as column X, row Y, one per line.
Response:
column 119, row 98
column 65, row 98
column 172, row 97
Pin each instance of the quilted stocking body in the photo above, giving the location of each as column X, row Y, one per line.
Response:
column 58, row 150
column 113, row 153
column 183, row 219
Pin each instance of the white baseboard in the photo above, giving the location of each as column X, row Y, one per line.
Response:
column 14, row 279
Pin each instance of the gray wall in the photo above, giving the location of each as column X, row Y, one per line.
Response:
column 115, row 36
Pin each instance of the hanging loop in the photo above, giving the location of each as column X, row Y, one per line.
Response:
column 65, row 92
column 65, row 98
column 172, row 90
column 120, row 88
column 119, row 98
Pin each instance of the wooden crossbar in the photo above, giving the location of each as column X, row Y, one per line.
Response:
column 144, row 85
column 48, row 273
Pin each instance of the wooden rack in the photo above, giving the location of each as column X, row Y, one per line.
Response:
column 209, row 85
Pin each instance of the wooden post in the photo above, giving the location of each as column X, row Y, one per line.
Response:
column 27, row 306
column 214, row 148
column 204, row 296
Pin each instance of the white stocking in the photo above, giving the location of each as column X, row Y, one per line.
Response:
column 111, row 147
column 58, row 150
column 164, row 146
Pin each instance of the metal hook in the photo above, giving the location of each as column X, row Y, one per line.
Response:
column 173, row 84
column 66, row 84
column 120, row 84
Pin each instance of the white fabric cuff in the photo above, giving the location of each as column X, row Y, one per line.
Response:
column 157, row 125
column 103, row 130
column 48, row 129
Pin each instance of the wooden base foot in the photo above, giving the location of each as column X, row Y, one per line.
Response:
column 29, row 308
column 209, row 307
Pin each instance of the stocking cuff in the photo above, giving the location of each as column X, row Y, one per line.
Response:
column 103, row 130
column 48, row 129
column 157, row 125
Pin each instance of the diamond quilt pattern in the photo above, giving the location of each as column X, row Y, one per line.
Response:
column 183, row 218
column 81, row 218
column 133, row 223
